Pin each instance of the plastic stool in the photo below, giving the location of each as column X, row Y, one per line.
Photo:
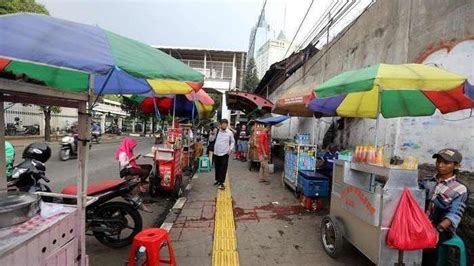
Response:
column 152, row 239
column 204, row 164
column 457, row 242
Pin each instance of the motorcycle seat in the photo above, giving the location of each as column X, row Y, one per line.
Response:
column 94, row 188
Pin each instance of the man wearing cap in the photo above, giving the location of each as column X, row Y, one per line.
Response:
column 446, row 200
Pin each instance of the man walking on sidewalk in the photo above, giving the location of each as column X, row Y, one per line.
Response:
column 263, row 150
column 223, row 147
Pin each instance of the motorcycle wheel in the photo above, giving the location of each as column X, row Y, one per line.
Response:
column 64, row 155
column 129, row 217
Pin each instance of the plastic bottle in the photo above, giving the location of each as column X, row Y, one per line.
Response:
column 363, row 154
column 357, row 154
column 371, row 155
column 379, row 156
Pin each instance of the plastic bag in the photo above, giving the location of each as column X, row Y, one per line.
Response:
column 410, row 229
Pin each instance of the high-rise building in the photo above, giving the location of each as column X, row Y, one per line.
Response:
column 259, row 35
column 273, row 50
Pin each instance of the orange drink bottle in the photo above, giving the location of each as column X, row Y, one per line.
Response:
column 363, row 157
column 357, row 153
column 379, row 156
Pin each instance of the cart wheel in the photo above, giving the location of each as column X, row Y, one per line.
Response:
column 154, row 186
column 178, row 187
column 332, row 233
column 297, row 193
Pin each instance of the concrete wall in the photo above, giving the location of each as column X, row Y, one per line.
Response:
column 398, row 31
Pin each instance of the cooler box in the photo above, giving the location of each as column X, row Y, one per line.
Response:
column 313, row 184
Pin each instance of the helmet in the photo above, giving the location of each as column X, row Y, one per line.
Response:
column 37, row 151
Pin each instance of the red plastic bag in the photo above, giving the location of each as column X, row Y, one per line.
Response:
column 410, row 229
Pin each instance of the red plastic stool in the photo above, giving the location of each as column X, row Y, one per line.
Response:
column 152, row 239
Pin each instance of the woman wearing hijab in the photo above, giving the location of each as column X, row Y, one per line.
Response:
column 129, row 167
column 128, row 161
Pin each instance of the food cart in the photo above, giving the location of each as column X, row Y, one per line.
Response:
column 167, row 173
column 252, row 154
column 298, row 157
column 33, row 237
column 187, row 157
column 364, row 198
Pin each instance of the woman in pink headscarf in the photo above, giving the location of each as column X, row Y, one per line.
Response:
column 128, row 161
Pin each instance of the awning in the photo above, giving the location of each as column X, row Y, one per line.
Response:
column 293, row 102
column 247, row 102
column 272, row 119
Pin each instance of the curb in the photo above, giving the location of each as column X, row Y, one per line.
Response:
column 174, row 212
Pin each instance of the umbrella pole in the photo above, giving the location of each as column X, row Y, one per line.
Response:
column 289, row 129
column 379, row 105
column 174, row 110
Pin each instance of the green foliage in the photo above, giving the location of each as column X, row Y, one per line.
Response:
column 112, row 97
column 251, row 79
column 133, row 110
column 15, row 6
column 50, row 109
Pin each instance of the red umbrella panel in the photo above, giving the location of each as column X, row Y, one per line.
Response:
column 163, row 104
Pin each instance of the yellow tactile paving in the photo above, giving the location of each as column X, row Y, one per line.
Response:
column 224, row 251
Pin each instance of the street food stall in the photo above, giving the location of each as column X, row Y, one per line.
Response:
column 366, row 191
column 26, row 227
column 298, row 157
column 74, row 62
column 167, row 173
column 364, row 198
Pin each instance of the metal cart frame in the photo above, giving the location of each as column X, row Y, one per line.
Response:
column 72, row 223
column 297, row 148
column 364, row 199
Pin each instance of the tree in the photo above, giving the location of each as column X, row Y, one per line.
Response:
column 15, row 6
column 113, row 97
column 47, row 111
column 251, row 79
column 134, row 111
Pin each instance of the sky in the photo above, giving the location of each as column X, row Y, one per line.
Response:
column 218, row 24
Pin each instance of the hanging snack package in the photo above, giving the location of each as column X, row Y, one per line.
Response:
column 410, row 229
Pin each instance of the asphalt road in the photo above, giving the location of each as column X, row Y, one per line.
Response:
column 102, row 166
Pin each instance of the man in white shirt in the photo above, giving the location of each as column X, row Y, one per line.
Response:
column 223, row 147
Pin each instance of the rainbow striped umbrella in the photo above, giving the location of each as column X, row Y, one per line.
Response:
column 393, row 91
column 63, row 54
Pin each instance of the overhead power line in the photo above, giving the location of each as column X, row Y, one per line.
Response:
column 298, row 30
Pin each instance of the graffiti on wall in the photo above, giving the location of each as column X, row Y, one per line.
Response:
column 454, row 55
column 454, row 130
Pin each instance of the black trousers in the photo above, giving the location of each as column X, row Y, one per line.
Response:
column 430, row 255
column 221, row 163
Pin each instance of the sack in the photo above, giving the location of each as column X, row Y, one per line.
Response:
column 410, row 229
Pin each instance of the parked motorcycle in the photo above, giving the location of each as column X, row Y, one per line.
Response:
column 15, row 129
column 68, row 147
column 28, row 176
column 113, row 223
column 114, row 130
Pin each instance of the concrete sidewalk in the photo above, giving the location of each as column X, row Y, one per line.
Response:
column 271, row 226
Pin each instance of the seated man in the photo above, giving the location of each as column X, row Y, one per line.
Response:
column 325, row 165
column 446, row 200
